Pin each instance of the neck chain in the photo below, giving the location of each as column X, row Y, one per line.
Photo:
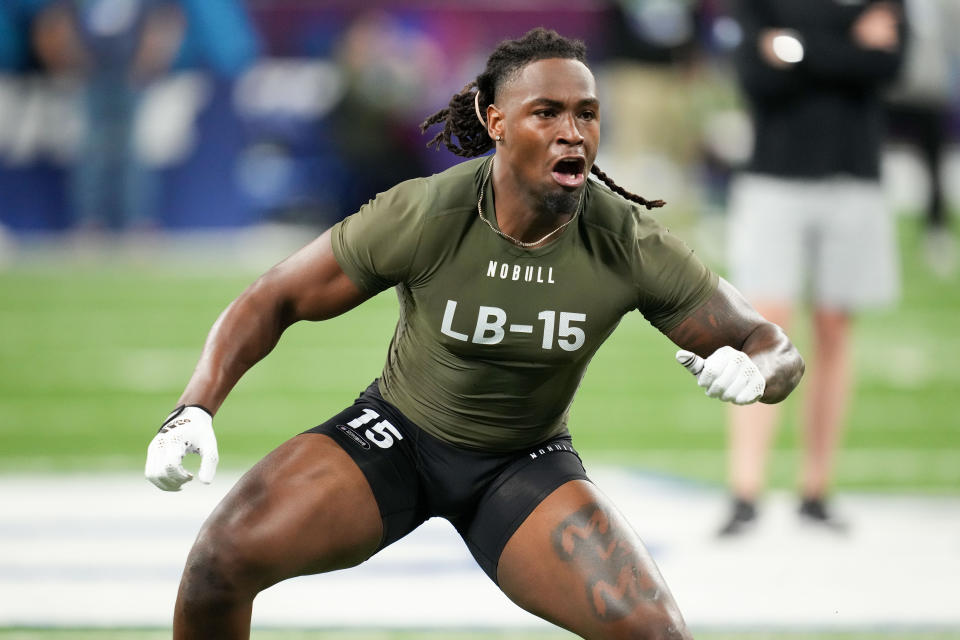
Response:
column 519, row 243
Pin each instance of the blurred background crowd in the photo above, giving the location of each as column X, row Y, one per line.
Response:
column 178, row 114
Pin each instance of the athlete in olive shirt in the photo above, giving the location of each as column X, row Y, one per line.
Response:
column 494, row 338
column 511, row 271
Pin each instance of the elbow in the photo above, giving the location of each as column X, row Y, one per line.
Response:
column 263, row 303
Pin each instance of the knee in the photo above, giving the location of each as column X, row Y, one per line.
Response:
column 646, row 623
column 217, row 575
column 661, row 628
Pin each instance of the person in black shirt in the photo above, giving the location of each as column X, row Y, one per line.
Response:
column 809, row 212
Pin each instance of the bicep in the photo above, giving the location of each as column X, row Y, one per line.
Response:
column 311, row 285
column 726, row 318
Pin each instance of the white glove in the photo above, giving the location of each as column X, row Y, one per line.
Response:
column 189, row 429
column 727, row 374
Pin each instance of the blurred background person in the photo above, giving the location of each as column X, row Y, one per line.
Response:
column 809, row 207
column 16, row 18
column 676, row 106
column 117, row 47
column 650, row 76
column 919, row 113
column 386, row 68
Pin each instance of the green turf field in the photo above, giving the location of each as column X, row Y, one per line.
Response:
column 139, row 634
column 94, row 354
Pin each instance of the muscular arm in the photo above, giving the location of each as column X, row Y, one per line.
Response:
column 727, row 319
column 309, row 285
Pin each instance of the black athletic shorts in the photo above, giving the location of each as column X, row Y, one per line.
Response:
column 415, row 476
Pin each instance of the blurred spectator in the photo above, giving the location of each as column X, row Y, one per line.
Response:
column 650, row 78
column 117, row 47
column 220, row 37
column 12, row 44
column 12, row 53
column 919, row 111
column 386, row 67
column 674, row 102
column 810, row 206
column 16, row 18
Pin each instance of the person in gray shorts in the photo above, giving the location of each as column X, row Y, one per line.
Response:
column 808, row 217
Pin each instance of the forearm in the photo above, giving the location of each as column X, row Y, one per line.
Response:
column 244, row 334
column 835, row 60
column 777, row 359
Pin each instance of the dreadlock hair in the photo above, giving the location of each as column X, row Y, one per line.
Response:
column 459, row 118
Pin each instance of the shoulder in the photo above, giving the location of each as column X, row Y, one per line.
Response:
column 611, row 214
column 400, row 233
column 456, row 188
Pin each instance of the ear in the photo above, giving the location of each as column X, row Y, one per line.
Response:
column 495, row 122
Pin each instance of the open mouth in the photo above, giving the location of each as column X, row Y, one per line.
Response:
column 569, row 172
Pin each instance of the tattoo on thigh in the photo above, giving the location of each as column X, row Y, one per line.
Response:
column 615, row 583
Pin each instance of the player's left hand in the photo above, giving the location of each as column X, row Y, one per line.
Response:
column 188, row 429
column 727, row 374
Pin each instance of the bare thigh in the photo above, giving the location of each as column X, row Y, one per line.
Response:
column 577, row 562
column 304, row 508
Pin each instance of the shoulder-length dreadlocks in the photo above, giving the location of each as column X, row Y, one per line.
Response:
column 460, row 118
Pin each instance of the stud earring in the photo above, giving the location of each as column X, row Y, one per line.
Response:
column 499, row 138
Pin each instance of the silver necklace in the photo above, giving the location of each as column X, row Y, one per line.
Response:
column 519, row 243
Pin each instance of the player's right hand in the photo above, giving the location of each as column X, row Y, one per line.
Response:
column 188, row 429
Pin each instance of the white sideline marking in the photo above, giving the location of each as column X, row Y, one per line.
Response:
column 107, row 550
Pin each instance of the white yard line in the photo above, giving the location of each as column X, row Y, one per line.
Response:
column 92, row 550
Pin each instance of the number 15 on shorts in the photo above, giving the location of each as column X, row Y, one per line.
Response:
column 381, row 433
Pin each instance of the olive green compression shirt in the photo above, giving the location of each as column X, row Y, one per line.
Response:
column 493, row 339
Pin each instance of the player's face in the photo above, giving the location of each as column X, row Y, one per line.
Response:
column 549, row 117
